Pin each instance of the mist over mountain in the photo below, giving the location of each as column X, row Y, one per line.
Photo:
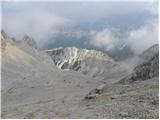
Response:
column 89, row 62
column 58, row 25
column 69, row 78
column 81, row 39
column 80, row 60
column 147, row 67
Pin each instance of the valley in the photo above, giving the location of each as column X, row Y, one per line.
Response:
column 70, row 82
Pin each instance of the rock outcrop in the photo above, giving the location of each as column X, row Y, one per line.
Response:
column 147, row 68
column 33, row 87
column 90, row 62
column 29, row 41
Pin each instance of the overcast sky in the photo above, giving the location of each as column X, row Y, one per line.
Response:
column 41, row 19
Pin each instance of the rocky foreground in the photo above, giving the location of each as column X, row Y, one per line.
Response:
column 62, row 83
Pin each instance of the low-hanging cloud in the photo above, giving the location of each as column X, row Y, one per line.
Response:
column 143, row 38
column 41, row 20
column 36, row 22
column 103, row 39
column 138, row 39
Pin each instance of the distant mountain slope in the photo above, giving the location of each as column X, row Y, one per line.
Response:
column 27, row 41
column 148, row 66
column 82, row 39
column 134, row 96
column 33, row 87
column 19, row 61
column 150, row 52
column 29, row 78
column 90, row 62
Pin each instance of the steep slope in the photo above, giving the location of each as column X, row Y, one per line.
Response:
column 147, row 68
column 18, row 63
column 150, row 52
column 30, row 81
column 33, row 87
column 29, row 41
column 89, row 62
column 135, row 96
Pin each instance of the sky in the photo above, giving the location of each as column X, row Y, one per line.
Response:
column 107, row 24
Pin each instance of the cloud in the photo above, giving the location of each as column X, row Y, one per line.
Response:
column 35, row 21
column 143, row 38
column 41, row 20
column 138, row 39
column 103, row 39
column 152, row 7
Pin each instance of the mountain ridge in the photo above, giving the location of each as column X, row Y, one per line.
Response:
column 147, row 68
column 90, row 62
column 33, row 86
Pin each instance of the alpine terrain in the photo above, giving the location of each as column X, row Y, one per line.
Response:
column 70, row 82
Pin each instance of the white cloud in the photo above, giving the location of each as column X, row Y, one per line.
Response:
column 139, row 39
column 103, row 39
column 143, row 38
column 152, row 7
column 36, row 22
column 41, row 19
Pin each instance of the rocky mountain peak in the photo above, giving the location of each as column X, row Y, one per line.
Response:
column 86, row 61
column 72, row 55
column 150, row 52
column 78, row 53
column 4, row 37
column 3, row 34
column 147, row 68
column 29, row 41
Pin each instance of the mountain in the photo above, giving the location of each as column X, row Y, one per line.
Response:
column 29, row 41
column 30, row 78
column 52, row 83
column 82, row 39
column 148, row 66
column 133, row 96
column 17, row 63
column 72, row 57
column 150, row 52
column 89, row 62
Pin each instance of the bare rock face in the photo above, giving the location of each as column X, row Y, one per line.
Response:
column 29, row 41
column 147, row 69
column 20, row 59
column 3, row 34
column 5, row 39
column 3, row 42
column 90, row 62
column 150, row 52
column 33, row 87
column 72, row 55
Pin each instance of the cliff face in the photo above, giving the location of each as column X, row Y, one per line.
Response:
column 150, row 52
column 147, row 68
column 29, row 41
column 73, row 54
column 90, row 62
column 36, row 84
column 19, row 60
